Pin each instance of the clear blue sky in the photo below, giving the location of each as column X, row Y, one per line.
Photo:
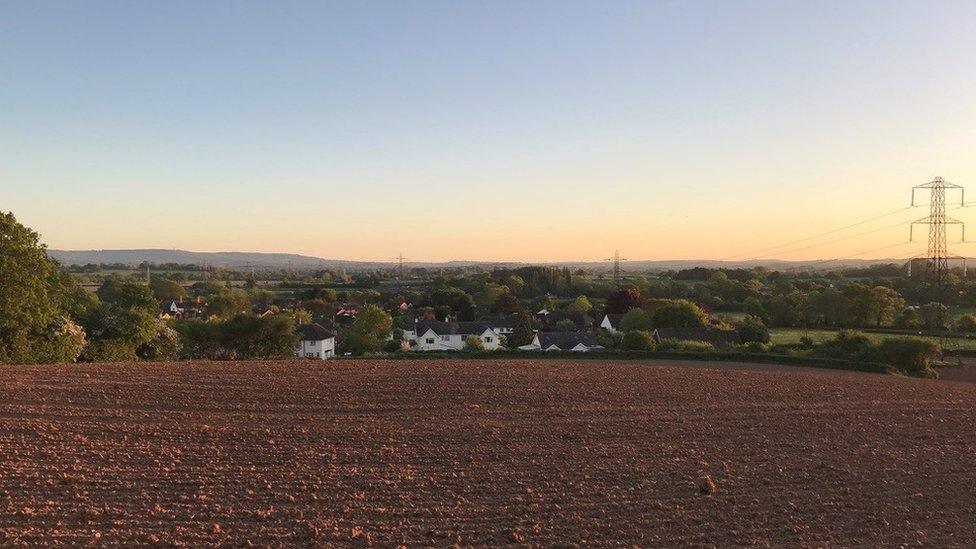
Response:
column 491, row 130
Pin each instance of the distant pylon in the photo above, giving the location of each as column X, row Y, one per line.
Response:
column 937, row 266
column 616, row 265
column 400, row 259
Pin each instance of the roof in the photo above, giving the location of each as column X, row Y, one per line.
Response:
column 499, row 321
column 567, row 340
column 614, row 319
column 313, row 332
column 718, row 338
column 453, row 328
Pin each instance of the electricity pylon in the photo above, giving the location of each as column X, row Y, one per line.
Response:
column 616, row 265
column 937, row 265
column 400, row 259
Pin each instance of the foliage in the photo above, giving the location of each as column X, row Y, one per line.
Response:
column 911, row 355
column 127, row 295
column 679, row 313
column 199, row 338
column 636, row 320
column 506, row 303
column 934, row 316
column 228, row 303
column 473, row 343
column 637, row 340
column 35, row 300
column 254, row 337
column 907, row 319
column 580, row 305
column 966, row 323
column 166, row 289
column 621, row 301
column 681, row 346
column 565, row 325
column 164, row 345
column 456, row 299
column 522, row 333
column 261, row 298
column 369, row 332
column 753, row 330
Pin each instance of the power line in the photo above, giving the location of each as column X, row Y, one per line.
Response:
column 805, row 239
column 841, row 239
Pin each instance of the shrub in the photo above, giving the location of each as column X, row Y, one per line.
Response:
column 806, row 342
column 635, row 320
column 753, row 330
column 966, row 323
column 680, row 346
column 473, row 343
column 909, row 354
column 637, row 340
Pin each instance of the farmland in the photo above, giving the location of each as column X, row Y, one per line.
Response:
column 482, row 452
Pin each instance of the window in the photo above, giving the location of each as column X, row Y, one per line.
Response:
column 430, row 341
column 487, row 340
column 445, row 338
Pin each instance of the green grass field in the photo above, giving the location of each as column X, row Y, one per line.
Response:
column 792, row 336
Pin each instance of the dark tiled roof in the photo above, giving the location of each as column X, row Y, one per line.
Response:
column 500, row 321
column 718, row 338
column 313, row 332
column 452, row 328
column 566, row 340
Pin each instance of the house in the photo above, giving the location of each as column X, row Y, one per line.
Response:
column 502, row 324
column 563, row 341
column 715, row 337
column 611, row 323
column 450, row 336
column 315, row 342
column 183, row 309
column 582, row 321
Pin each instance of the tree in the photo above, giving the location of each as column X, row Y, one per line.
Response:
column 522, row 333
column 637, row 340
column 966, row 323
column 580, row 305
column 473, row 343
column 115, row 333
column 164, row 345
column 254, row 337
column 166, row 289
column 317, row 306
column 35, row 301
column 506, row 304
column 679, row 313
column 752, row 330
column 199, row 338
column 621, row 301
column 565, row 325
column 636, row 320
column 229, row 302
column 261, row 298
column 458, row 300
column 127, row 295
column 371, row 329
column 545, row 302
column 907, row 319
column 934, row 316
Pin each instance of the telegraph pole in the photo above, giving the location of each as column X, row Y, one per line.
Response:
column 937, row 264
column 616, row 265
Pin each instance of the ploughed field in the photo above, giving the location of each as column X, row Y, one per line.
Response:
column 474, row 452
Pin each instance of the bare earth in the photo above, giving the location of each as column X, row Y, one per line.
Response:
column 483, row 452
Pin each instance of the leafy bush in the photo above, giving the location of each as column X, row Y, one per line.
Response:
column 679, row 346
column 753, row 330
column 910, row 355
column 473, row 343
column 637, row 340
column 966, row 323
column 636, row 320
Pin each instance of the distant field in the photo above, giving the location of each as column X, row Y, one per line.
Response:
column 793, row 335
column 455, row 452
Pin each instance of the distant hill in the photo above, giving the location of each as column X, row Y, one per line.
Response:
column 240, row 260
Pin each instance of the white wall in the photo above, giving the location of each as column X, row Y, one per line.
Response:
column 316, row 349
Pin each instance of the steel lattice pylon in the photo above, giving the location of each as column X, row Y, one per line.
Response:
column 937, row 266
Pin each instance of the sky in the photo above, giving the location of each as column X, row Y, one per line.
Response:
column 502, row 130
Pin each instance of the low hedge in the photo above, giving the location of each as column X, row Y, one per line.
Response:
column 705, row 356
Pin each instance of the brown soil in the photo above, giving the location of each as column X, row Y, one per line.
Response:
column 482, row 452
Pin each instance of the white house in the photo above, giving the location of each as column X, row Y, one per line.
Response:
column 450, row 336
column 315, row 342
column 502, row 324
column 563, row 341
column 611, row 323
